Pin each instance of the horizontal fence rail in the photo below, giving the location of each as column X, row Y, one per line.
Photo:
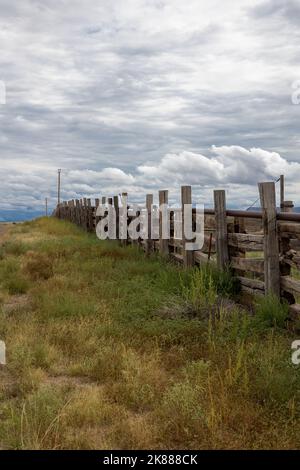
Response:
column 261, row 248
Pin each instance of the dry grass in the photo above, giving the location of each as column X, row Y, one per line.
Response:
column 108, row 349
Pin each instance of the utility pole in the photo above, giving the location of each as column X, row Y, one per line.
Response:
column 58, row 185
column 46, row 206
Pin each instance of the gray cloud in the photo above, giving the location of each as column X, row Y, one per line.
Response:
column 288, row 9
column 105, row 89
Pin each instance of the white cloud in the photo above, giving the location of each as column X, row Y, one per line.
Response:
column 134, row 93
column 234, row 168
column 229, row 165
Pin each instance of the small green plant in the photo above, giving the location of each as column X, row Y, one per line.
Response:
column 201, row 292
column 206, row 284
column 225, row 283
column 271, row 312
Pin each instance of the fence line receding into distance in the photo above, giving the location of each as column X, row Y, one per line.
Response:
column 261, row 248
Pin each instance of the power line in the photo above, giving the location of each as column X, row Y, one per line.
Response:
column 255, row 202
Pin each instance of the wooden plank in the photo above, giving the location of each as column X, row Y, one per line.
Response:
column 84, row 213
column 246, row 241
column 163, row 243
column 221, row 229
column 289, row 229
column 254, row 284
column 281, row 191
column 77, row 205
column 89, row 215
column 286, row 253
column 201, row 258
column 271, row 248
column 80, row 213
column 294, row 311
column 177, row 257
column 186, row 198
column 175, row 243
column 239, row 225
column 291, row 258
column 255, row 265
column 249, row 290
column 290, row 284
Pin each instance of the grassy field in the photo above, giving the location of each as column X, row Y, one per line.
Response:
column 108, row 349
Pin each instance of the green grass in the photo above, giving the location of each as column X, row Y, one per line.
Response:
column 110, row 349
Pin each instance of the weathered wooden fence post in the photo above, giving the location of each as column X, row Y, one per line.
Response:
column 271, row 248
column 66, row 210
column 72, row 210
column 89, row 216
column 281, row 191
column 221, row 229
column 287, row 206
column 186, row 198
column 80, row 213
column 149, row 202
column 84, row 214
column 77, row 211
column 163, row 222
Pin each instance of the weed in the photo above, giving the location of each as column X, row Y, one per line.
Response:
column 271, row 312
column 38, row 266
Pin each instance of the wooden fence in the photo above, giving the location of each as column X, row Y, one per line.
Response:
column 261, row 248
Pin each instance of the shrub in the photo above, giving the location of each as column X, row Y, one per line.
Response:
column 271, row 312
column 206, row 284
column 39, row 266
column 225, row 283
column 200, row 292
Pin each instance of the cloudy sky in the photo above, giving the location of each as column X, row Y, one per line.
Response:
column 141, row 95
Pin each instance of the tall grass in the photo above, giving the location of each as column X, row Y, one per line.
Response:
column 110, row 349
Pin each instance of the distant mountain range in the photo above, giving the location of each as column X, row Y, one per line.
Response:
column 258, row 209
column 22, row 216
column 18, row 215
